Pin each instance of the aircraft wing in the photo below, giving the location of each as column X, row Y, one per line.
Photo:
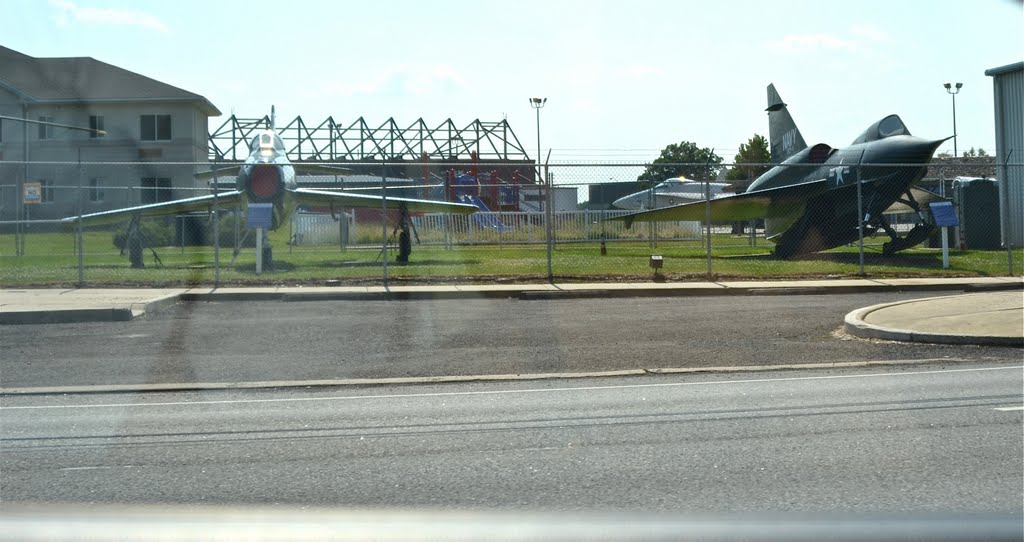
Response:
column 921, row 196
column 666, row 199
column 224, row 172
column 306, row 168
column 745, row 206
column 179, row 206
column 308, row 196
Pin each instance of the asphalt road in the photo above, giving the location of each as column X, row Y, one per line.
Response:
column 935, row 439
column 271, row 341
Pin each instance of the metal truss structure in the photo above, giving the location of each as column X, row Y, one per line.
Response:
column 361, row 142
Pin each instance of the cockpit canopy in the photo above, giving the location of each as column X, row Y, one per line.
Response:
column 266, row 141
column 674, row 182
column 887, row 127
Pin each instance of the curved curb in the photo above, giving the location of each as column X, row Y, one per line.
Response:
column 855, row 325
column 454, row 379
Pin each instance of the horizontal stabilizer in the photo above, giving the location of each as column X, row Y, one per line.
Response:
column 307, row 196
column 745, row 206
column 167, row 208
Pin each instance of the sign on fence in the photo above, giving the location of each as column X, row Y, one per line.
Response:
column 32, row 193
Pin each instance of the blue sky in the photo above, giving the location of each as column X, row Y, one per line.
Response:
column 623, row 79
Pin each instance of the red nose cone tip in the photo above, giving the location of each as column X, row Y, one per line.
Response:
column 263, row 181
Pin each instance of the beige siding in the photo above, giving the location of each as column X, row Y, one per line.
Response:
column 121, row 144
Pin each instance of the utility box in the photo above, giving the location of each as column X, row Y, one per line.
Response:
column 977, row 203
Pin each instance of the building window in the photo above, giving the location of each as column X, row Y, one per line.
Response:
column 46, row 187
column 156, row 190
column 95, row 190
column 95, row 123
column 45, row 130
column 155, row 127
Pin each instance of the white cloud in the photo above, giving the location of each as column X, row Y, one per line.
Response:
column 68, row 12
column 861, row 38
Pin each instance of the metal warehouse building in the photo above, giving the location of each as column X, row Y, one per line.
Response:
column 1008, row 98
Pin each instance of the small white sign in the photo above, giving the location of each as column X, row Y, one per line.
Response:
column 32, row 193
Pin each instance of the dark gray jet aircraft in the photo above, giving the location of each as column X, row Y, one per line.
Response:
column 809, row 200
column 268, row 176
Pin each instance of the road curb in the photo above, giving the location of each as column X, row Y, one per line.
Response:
column 525, row 292
column 854, row 324
column 568, row 291
column 84, row 315
column 66, row 316
column 372, row 382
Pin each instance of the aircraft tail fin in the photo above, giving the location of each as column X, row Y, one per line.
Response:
column 784, row 136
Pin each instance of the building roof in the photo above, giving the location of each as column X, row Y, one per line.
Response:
column 1009, row 68
column 85, row 79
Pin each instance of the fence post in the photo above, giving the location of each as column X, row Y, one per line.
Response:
column 860, row 219
column 78, row 229
column 384, row 216
column 216, row 228
column 707, row 213
column 548, row 226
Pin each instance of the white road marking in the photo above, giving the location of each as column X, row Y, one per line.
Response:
column 503, row 392
column 1008, row 409
column 107, row 467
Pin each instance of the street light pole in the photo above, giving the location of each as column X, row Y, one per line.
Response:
column 538, row 103
column 953, row 92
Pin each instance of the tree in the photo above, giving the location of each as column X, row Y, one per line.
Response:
column 683, row 159
column 754, row 151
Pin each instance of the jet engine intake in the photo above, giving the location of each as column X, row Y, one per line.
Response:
column 265, row 183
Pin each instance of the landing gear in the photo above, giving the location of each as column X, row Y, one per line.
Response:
column 915, row 236
column 403, row 230
column 136, row 245
column 134, row 242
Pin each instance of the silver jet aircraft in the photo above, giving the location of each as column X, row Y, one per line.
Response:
column 267, row 176
column 669, row 192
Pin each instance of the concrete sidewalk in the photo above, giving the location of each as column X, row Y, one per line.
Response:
column 993, row 316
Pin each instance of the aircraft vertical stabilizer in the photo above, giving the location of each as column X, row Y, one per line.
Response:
column 784, row 137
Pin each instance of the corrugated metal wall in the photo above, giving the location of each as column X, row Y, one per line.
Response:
column 1008, row 89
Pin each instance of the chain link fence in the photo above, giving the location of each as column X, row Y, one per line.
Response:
column 522, row 232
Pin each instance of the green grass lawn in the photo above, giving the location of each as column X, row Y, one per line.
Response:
column 50, row 260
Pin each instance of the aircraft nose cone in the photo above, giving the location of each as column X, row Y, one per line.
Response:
column 911, row 150
column 625, row 202
column 926, row 148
